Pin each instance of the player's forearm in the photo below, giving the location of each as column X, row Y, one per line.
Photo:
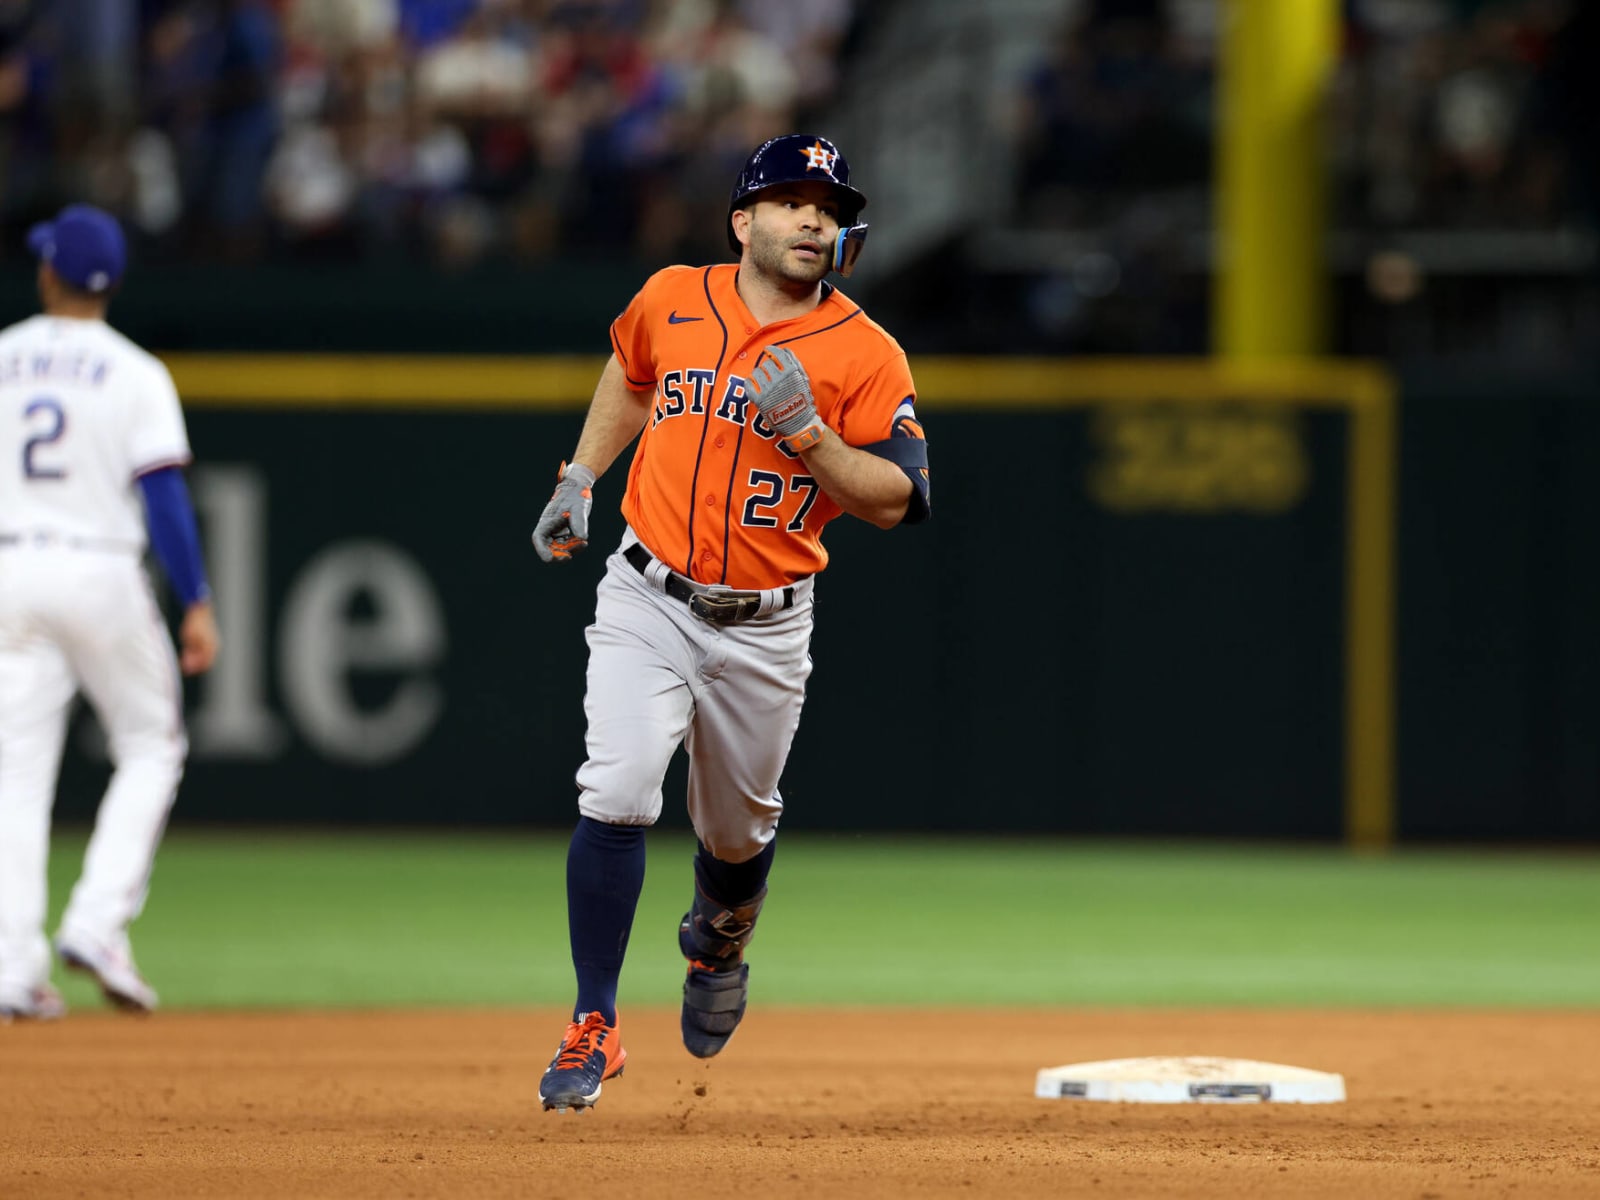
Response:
column 616, row 415
column 862, row 484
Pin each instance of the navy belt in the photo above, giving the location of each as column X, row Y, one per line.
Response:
column 720, row 608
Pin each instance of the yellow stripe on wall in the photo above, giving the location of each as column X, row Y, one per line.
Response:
column 383, row 381
column 568, row 381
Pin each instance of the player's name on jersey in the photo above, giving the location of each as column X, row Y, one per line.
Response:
column 79, row 368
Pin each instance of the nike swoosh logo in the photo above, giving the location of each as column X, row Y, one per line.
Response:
column 675, row 319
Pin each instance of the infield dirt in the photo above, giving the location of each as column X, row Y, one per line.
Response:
column 824, row 1103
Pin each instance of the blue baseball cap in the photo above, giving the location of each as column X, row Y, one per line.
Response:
column 85, row 246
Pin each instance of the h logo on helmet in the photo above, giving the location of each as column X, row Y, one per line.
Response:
column 819, row 158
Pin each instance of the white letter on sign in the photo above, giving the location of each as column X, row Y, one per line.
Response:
column 323, row 642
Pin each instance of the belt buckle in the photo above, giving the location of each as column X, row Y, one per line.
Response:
column 721, row 605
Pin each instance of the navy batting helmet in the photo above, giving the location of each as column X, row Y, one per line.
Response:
column 802, row 158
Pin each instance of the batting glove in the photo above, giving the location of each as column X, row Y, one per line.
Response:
column 782, row 392
column 563, row 527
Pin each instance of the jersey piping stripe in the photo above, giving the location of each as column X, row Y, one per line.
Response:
column 705, row 428
column 637, row 383
column 800, row 336
column 727, row 506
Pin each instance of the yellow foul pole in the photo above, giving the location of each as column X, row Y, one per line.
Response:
column 1277, row 56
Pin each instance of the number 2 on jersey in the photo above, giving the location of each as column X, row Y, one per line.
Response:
column 55, row 424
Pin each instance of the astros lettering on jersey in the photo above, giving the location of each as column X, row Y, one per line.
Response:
column 752, row 517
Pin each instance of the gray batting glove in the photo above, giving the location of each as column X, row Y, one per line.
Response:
column 563, row 527
column 783, row 393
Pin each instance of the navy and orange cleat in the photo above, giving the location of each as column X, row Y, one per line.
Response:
column 589, row 1054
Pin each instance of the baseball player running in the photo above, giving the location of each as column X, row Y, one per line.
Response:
column 765, row 403
column 93, row 445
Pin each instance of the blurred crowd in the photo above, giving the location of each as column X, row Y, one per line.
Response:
column 1471, row 114
column 1444, row 114
column 451, row 130
column 455, row 132
column 1468, row 117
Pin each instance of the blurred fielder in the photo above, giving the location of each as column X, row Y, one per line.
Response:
column 92, row 450
column 765, row 403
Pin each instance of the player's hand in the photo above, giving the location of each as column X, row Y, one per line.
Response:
column 563, row 527
column 781, row 390
column 198, row 640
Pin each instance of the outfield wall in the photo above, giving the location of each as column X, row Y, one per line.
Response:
column 1153, row 600
column 1499, row 630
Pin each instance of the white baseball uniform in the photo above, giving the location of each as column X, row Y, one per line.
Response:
column 83, row 413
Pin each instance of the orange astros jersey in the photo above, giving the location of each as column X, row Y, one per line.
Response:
column 712, row 492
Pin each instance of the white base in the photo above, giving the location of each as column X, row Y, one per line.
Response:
column 1189, row 1081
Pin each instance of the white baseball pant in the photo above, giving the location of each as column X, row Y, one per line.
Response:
column 70, row 620
column 731, row 694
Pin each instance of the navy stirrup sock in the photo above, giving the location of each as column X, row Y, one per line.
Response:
column 605, row 874
column 733, row 883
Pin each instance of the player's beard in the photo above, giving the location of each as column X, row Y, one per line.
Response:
column 769, row 254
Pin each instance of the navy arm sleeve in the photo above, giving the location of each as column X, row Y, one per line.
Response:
column 907, row 448
column 170, row 517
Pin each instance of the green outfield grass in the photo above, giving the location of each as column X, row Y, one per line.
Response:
column 253, row 919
